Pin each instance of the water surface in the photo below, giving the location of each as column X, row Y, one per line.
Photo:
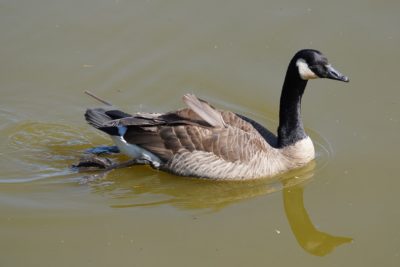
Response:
column 340, row 210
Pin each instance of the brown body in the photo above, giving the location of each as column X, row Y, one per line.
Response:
column 201, row 141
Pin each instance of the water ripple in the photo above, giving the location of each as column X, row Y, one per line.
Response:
column 40, row 151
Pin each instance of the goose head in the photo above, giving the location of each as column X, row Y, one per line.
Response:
column 312, row 64
column 306, row 64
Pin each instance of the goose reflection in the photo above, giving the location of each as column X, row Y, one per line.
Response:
column 309, row 238
column 161, row 188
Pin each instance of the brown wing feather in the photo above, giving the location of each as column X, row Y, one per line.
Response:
column 204, row 110
column 231, row 144
column 200, row 127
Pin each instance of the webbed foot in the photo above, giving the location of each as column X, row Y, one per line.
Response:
column 90, row 162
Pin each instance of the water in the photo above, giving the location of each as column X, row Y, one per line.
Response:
column 340, row 210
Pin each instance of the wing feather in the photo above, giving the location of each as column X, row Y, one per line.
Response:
column 204, row 110
column 200, row 127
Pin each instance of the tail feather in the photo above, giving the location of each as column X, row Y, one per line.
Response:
column 97, row 117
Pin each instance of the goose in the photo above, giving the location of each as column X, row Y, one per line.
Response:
column 205, row 142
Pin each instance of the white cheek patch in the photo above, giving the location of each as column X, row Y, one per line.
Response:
column 305, row 72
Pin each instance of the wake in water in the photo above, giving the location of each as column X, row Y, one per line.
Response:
column 35, row 151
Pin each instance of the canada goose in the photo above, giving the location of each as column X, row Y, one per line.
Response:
column 201, row 141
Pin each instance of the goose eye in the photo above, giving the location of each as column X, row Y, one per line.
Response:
column 314, row 68
column 319, row 70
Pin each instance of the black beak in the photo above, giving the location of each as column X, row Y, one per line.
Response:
column 335, row 75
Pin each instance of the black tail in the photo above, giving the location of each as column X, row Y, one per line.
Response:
column 97, row 117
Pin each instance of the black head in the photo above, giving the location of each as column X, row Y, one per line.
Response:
column 312, row 64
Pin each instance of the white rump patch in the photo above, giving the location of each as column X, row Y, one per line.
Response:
column 134, row 151
column 305, row 72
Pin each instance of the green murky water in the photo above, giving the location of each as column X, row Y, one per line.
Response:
column 341, row 210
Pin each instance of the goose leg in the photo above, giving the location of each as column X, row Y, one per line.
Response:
column 147, row 159
column 103, row 166
column 100, row 150
column 92, row 162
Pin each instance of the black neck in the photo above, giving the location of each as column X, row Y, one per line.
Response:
column 291, row 128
